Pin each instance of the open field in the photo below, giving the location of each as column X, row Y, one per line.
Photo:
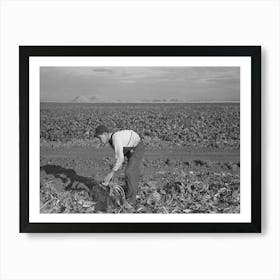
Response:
column 198, row 175
column 192, row 126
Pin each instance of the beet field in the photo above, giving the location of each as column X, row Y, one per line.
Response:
column 191, row 162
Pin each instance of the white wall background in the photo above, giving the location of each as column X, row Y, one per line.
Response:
column 139, row 256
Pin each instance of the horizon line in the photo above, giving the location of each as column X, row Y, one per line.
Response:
column 154, row 102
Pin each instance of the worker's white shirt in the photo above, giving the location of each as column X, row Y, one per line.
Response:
column 122, row 139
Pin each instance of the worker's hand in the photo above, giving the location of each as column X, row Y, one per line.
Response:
column 108, row 178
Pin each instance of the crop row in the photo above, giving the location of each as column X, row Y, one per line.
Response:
column 193, row 125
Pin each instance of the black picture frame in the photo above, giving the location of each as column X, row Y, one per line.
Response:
column 25, row 52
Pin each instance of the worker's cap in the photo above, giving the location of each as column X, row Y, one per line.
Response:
column 100, row 130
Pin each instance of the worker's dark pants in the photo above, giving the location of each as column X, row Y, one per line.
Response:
column 133, row 172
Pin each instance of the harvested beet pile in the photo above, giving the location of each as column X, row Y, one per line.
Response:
column 193, row 189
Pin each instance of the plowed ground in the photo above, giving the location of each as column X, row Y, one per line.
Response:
column 173, row 181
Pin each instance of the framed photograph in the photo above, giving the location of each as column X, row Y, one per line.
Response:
column 140, row 139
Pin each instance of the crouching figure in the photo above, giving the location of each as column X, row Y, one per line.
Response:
column 126, row 143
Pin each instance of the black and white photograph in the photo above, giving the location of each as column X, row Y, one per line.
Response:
column 142, row 137
column 140, row 140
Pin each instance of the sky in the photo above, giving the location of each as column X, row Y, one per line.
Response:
column 139, row 84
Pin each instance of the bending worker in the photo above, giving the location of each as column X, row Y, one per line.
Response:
column 126, row 143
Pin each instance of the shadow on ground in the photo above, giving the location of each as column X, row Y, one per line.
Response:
column 72, row 181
